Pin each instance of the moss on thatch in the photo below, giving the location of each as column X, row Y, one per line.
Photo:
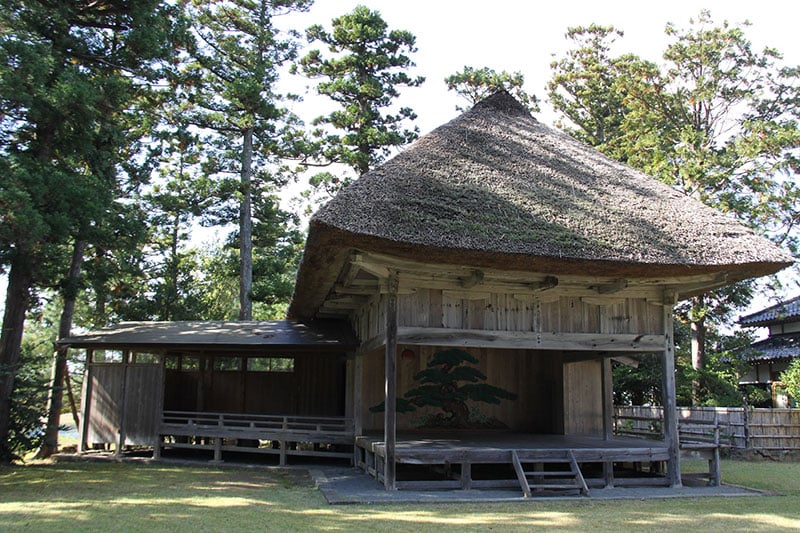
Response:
column 496, row 187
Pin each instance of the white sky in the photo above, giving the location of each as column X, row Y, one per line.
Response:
column 524, row 35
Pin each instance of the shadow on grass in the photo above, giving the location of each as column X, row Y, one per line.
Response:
column 140, row 497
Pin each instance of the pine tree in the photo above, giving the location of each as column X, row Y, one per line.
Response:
column 475, row 84
column 363, row 73
column 231, row 84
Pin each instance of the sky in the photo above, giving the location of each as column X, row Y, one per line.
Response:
column 526, row 35
column 520, row 35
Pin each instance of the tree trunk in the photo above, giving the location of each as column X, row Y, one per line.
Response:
column 58, row 376
column 246, row 230
column 698, row 343
column 20, row 279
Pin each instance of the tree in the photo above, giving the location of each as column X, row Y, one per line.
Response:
column 475, row 84
column 718, row 123
column 178, row 199
column 231, row 83
column 68, row 73
column 363, row 75
column 790, row 380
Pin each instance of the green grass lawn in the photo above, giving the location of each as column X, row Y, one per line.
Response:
column 140, row 497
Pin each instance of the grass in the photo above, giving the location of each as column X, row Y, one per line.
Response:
column 153, row 497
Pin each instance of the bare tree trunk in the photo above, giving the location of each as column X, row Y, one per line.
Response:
column 58, row 376
column 698, row 344
column 20, row 279
column 246, row 230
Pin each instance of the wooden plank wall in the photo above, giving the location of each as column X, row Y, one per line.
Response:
column 135, row 401
column 505, row 312
column 316, row 387
column 583, row 408
column 534, row 376
column 547, row 403
column 142, row 401
column 104, row 403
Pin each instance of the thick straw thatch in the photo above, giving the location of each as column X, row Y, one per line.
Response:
column 495, row 188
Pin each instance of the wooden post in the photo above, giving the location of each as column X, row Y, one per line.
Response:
column 123, row 405
column 390, row 412
column 608, row 415
column 669, row 398
column 358, row 423
column 86, row 392
column 157, row 439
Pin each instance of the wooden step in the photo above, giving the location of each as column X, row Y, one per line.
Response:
column 563, row 479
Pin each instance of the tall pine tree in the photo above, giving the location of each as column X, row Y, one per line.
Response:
column 231, row 84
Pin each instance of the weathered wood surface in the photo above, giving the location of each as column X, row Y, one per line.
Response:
column 496, row 446
column 613, row 320
column 463, row 450
column 199, row 427
column 758, row 430
column 476, row 338
column 123, row 401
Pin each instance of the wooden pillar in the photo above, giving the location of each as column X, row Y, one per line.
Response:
column 358, row 369
column 608, row 415
column 162, row 366
column 86, row 401
column 123, row 404
column 669, row 396
column 390, row 412
column 608, row 398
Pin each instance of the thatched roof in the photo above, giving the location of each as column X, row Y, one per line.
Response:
column 495, row 188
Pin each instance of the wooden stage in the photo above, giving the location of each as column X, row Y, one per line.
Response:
column 498, row 459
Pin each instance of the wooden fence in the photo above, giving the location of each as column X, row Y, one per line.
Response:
column 762, row 431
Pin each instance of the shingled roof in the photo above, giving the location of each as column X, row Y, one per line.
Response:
column 495, row 188
column 788, row 311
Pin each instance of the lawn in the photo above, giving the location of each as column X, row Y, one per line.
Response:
column 156, row 497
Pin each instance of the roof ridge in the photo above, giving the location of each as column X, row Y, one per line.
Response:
column 503, row 101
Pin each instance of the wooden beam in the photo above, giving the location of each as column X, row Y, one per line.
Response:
column 390, row 401
column 474, row 338
column 626, row 360
column 475, row 278
column 616, row 285
column 549, row 282
column 669, row 397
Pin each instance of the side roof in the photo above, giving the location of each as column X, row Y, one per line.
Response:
column 277, row 335
column 494, row 188
column 788, row 311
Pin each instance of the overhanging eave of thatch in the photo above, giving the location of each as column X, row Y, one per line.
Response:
column 329, row 249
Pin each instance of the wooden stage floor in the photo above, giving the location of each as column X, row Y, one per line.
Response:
column 494, row 446
column 469, row 459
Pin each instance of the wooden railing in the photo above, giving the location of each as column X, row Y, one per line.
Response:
column 697, row 437
column 276, row 434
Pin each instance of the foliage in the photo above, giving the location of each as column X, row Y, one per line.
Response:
column 448, row 383
column 363, row 73
column 719, row 123
column 475, row 84
column 790, row 380
column 230, row 82
column 719, row 380
column 71, row 74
